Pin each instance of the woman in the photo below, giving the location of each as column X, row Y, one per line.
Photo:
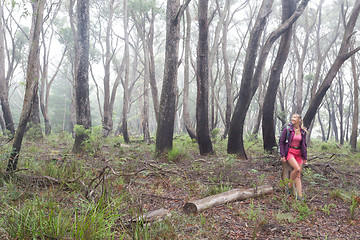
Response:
column 293, row 149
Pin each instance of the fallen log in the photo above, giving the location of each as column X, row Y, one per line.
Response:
column 225, row 197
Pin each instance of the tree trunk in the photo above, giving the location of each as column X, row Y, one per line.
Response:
column 341, row 109
column 30, row 90
column 107, row 118
column 329, row 119
column 165, row 128
column 45, row 105
column 250, row 80
column 300, row 70
column 83, row 116
column 228, row 85
column 348, row 116
column 145, row 123
column 153, row 85
column 45, row 88
column 333, row 117
column 4, row 86
column 34, row 123
column 2, row 124
column 261, row 96
column 322, row 128
column 202, row 79
column 235, row 141
column 125, row 83
column 355, row 119
column 268, row 124
column 72, row 109
column 186, row 115
column 342, row 56
column 74, row 69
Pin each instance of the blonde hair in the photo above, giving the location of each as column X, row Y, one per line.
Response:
column 301, row 122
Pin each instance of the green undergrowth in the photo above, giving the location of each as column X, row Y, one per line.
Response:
column 41, row 218
column 59, row 195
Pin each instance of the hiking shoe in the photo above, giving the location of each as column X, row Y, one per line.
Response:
column 287, row 190
column 301, row 199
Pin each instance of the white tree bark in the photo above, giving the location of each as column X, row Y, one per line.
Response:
column 225, row 197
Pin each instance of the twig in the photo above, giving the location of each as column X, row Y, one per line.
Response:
column 317, row 157
column 201, row 160
column 101, row 179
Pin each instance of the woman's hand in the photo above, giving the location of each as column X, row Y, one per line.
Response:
column 283, row 159
column 304, row 161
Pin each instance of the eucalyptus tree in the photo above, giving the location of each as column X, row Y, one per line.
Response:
column 143, row 14
column 70, row 40
column 202, row 79
column 303, row 45
column 83, row 116
column 323, row 43
column 340, row 104
column 235, row 141
column 343, row 54
column 35, row 122
column 186, row 115
column 31, row 83
column 228, row 87
column 268, row 125
column 251, row 75
column 48, row 31
column 355, row 119
column 125, row 82
column 106, row 14
column 167, row 108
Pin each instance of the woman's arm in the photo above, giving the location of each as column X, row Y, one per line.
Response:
column 282, row 142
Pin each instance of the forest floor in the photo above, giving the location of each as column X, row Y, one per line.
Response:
column 59, row 195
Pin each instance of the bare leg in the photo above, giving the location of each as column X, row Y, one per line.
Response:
column 295, row 172
column 298, row 182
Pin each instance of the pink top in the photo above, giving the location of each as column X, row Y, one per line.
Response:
column 296, row 141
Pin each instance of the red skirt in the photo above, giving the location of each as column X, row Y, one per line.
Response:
column 295, row 153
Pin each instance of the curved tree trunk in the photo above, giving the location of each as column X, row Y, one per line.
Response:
column 235, row 141
column 31, row 84
column 250, row 81
column 202, row 79
column 342, row 56
column 34, row 122
column 83, row 116
column 268, row 124
column 186, row 115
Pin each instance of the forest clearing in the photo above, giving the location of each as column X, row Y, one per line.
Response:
column 106, row 193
